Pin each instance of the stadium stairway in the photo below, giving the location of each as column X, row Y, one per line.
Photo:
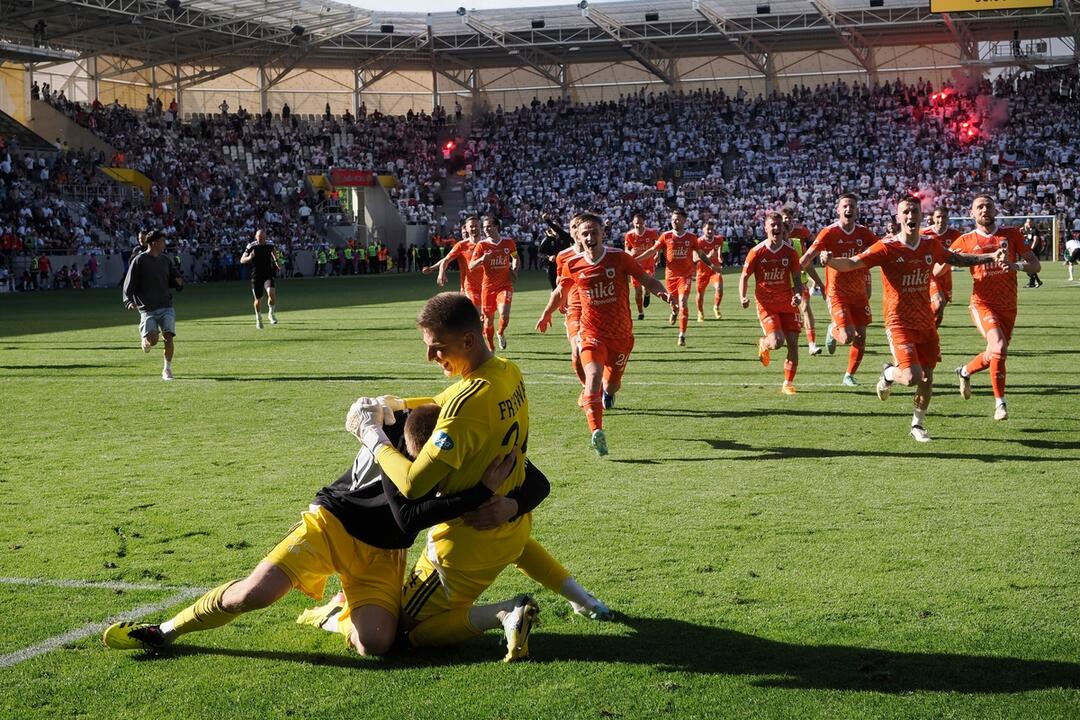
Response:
column 49, row 122
column 23, row 138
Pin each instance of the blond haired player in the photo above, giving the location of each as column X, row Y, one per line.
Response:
column 498, row 261
column 470, row 279
column 711, row 243
column 907, row 261
column 993, row 295
column 483, row 415
column 778, row 293
column 941, row 279
column 848, row 295
column 639, row 241
column 679, row 245
column 599, row 274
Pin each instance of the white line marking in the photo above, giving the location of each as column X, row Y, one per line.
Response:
column 94, row 628
column 89, row 584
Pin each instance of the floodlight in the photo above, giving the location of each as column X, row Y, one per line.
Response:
column 386, row 28
column 173, row 5
column 461, row 12
column 583, row 5
column 763, row 10
column 297, row 30
column 537, row 24
column 652, row 17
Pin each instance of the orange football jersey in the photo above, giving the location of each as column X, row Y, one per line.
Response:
column 849, row 287
column 774, row 274
column 604, row 292
column 905, row 274
column 678, row 252
column 991, row 285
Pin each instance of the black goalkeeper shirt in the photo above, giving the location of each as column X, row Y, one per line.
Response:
column 372, row 510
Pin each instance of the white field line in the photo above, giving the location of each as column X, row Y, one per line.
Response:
column 71, row 636
column 89, row 584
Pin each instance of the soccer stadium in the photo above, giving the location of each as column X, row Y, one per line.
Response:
column 687, row 358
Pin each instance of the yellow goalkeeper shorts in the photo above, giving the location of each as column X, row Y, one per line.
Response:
column 319, row 546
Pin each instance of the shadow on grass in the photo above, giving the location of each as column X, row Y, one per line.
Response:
column 52, row 366
column 678, row 646
column 787, row 453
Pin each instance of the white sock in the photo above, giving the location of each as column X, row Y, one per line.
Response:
column 166, row 628
column 999, row 401
column 917, row 417
column 271, row 310
column 168, row 364
column 331, row 625
column 488, row 617
column 577, row 595
column 889, row 373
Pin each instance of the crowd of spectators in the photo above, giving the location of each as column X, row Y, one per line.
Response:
column 734, row 157
column 217, row 178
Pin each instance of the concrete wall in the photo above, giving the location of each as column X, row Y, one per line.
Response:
column 381, row 213
column 50, row 123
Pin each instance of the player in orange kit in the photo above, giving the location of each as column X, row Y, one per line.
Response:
column 846, row 295
column 906, row 261
column 606, row 337
column 470, row 280
column 799, row 237
column 941, row 279
column 778, row 293
column 993, row 295
column 679, row 246
column 711, row 243
column 498, row 258
column 572, row 307
column 638, row 241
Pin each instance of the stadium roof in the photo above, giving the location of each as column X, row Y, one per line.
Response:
column 327, row 33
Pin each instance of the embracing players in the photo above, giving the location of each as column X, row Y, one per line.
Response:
column 778, row 292
column 264, row 267
column 606, row 338
column 907, row 261
column 847, row 295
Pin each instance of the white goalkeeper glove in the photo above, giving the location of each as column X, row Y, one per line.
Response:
column 365, row 422
column 390, row 404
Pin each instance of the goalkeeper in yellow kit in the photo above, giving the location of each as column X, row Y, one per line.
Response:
column 482, row 416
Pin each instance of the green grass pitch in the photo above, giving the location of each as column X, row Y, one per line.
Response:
column 769, row 556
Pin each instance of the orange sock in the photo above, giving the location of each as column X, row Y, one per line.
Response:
column 855, row 355
column 594, row 410
column 489, row 333
column 684, row 319
column 790, row 367
column 811, row 336
column 978, row 363
column 717, row 298
column 997, row 374
column 579, row 370
column 502, row 324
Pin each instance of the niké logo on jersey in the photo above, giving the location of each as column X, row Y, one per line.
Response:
column 442, row 440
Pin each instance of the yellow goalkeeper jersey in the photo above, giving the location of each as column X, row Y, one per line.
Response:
column 482, row 417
